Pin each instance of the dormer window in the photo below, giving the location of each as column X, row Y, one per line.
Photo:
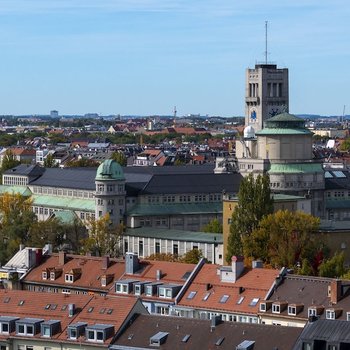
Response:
column 52, row 276
column 50, row 328
column 292, row 310
column 276, row 309
column 76, row 330
column 312, row 312
column 262, row 307
column 99, row 332
column 7, row 324
column 28, row 326
column 68, row 278
column 348, row 316
column 330, row 314
column 44, row 275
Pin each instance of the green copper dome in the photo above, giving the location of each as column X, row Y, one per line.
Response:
column 286, row 124
column 285, row 120
column 110, row 170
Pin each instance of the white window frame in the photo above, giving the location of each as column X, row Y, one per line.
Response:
column 312, row 311
column 292, row 310
column 276, row 308
column 330, row 314
column 68, row 278
column 262, row 307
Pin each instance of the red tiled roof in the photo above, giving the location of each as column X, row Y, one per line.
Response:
column 48, row 306
column 252, row 284
column 91, row 271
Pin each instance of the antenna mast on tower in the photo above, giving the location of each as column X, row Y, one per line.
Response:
column 175, row 111
column 265, row 42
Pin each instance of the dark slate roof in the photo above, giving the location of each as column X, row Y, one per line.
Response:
column 147, row 180
column 183, row 169
column 330, row 331
column 79, row 178
column 193, row 183
column 139, row 332
column 26, row 170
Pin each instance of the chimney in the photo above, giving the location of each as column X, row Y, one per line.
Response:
column 159, row 275
column 21, row 246
column 61, row 258
column 105, row 262
column 335, row 291
column 237, row 267
column 131, row 263
column 71, row 310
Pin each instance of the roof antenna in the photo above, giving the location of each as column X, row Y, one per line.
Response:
column 265, row 42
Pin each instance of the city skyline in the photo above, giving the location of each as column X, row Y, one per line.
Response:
column 143, row 57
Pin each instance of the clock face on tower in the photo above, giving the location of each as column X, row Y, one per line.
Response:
column 253, row 117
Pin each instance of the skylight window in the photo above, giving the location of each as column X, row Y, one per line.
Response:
column 90, row 309
column 240, row 300
column 53, row 306
column 185, row 338
column 21, row 302
column 254, row 302
column 64, row 307
column 47, row 306
column 224, row 298
column 205, row 298
column 191, row 295
column 102, row 311
column 109, row 311
column 7, row 300
column 220, row 341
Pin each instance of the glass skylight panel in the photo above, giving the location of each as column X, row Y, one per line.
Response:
column 339, row 174
column 328, row 175
column 254, row 302
column 224, row 298
column 191, row 295
column 185, row 338
column 240, row 300
column 205, row 298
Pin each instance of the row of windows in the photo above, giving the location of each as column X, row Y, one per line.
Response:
column 63, row 192
column 184, row 198
column 15, row 180
column 109, row 201
column 109, row 188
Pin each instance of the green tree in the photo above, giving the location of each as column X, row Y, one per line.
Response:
column 49, row 161
column 103, row 238
column 17, row 218
column 284, row 238
column 163, row 257
column 333, row 267
column 83, row 162
column 119, row 157
column 8, row 162
column 254, row 203
column 213, row 226
column 192, row 256
column 345, row 146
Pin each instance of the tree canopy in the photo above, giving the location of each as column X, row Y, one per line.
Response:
column 119, row 157
column 284, row 238
column 254, row 203
column 213, row 226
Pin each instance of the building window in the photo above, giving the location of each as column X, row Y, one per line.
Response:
column 140, row 248
column 330, row 315
column 276, row 308
column 312, row 312
column 157, row 248
column 292, row 310
column 175, row 249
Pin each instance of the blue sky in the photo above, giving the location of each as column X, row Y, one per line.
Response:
column 145, row 56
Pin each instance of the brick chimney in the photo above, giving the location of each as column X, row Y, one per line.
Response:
column 105, row 262
column 335, row 291
column 237, row 266
column 61, row 258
